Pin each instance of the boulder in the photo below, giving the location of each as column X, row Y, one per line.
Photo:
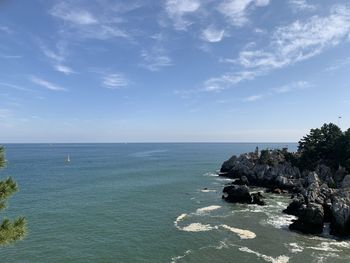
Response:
column 294, row 208
column 346, row 181
column 310, row 219
column 229, row 164
column 237, row 194
column 339, row 176
column 340, row 221
column 258, row 198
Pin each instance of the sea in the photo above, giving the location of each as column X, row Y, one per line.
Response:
column 147, row 202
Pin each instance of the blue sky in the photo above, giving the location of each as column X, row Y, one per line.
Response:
column 172, row 71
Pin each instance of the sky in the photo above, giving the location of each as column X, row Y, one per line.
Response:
column 172, row 70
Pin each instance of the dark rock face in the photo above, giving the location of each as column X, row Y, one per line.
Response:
column 310, row 219
column 241, row 194
column 315, row 197
column 340, row 219
column 237, row 194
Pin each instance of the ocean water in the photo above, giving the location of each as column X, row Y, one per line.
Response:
column 147, row 203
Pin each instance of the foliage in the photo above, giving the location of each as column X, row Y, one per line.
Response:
column 15, row 230
column 327, row 145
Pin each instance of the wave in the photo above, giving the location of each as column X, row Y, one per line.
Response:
column 207, row 209
column 207, row 191
column 243, row 234
column 211, row 174
column 175, row 259
column 280, row 222
column 279, row 259
column 295, row 248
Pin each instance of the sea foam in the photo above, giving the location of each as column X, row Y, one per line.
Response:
column 207, row 209
column 243, row 234
column 279, row 259
column 198, row 227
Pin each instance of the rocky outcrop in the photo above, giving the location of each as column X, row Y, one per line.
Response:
column 310, row 219
column 340, row 219
column 240, row 194
column 315, row 199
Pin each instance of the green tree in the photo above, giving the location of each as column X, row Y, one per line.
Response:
column 10, row 231
column 323, row 145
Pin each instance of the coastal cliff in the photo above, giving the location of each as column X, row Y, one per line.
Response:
column 320, row 192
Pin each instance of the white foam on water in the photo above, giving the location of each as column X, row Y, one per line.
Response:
column 208, row 191
column 211, row 174
column 295, row 248
column 282, row 221
column 175, row 259
column 207, row 209
column 179, row 219
column 198, row 227
column 242, row 233
column 279, row 259
column 325, row 246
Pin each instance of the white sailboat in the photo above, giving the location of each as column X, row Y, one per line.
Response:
column 68, row 159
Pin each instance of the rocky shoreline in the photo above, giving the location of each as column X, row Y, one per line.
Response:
column 317, row 197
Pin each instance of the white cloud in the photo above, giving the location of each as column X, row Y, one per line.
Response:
column 211, row 34
column 115, row 81
column 75, row 16
column 292, row 86
column 177, row 9
column 83, row 24
column 300, row 40
column 64, row 69
column 236, row 11
column 5, row 29
column 288, row 45
column 155, row 60
column 253, row 98
column 46, row 84
column 228, row 80
column 299, row 5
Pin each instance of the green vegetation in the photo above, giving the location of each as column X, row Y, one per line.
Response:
column 10, row 231
column 327, row 145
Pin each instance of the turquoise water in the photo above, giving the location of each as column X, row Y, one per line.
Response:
column 146, row 203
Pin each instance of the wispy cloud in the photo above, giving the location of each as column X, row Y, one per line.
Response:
column 298, row 5
column 115, row 81
column 298, row 41
column 16, row 87
column 253, row 98
column 64, row 69
column 236, row 11
column 6, row 29
column 178, row 9
column 83, row 23
column 293, row 86
column 155, row 59
column 212, row 34
column 10, row 56
column 46, row 84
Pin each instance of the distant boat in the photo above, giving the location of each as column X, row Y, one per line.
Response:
column 68, row 159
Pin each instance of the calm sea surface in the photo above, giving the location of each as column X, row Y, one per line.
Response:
column 146, row 203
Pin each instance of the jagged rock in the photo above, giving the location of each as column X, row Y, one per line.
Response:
column 229, row 164
column 339, row 176
column 312, row 178
column 237, row 194
column 310, row 219
column 325, row 173
column 258, row 198
column 294, row 208
column 346, row 181
column 340, row 223
column 242, row 181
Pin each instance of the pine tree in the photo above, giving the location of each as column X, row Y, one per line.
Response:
column 10, row 231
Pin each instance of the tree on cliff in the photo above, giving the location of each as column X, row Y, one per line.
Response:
column 10, row 231
column 326, row 145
